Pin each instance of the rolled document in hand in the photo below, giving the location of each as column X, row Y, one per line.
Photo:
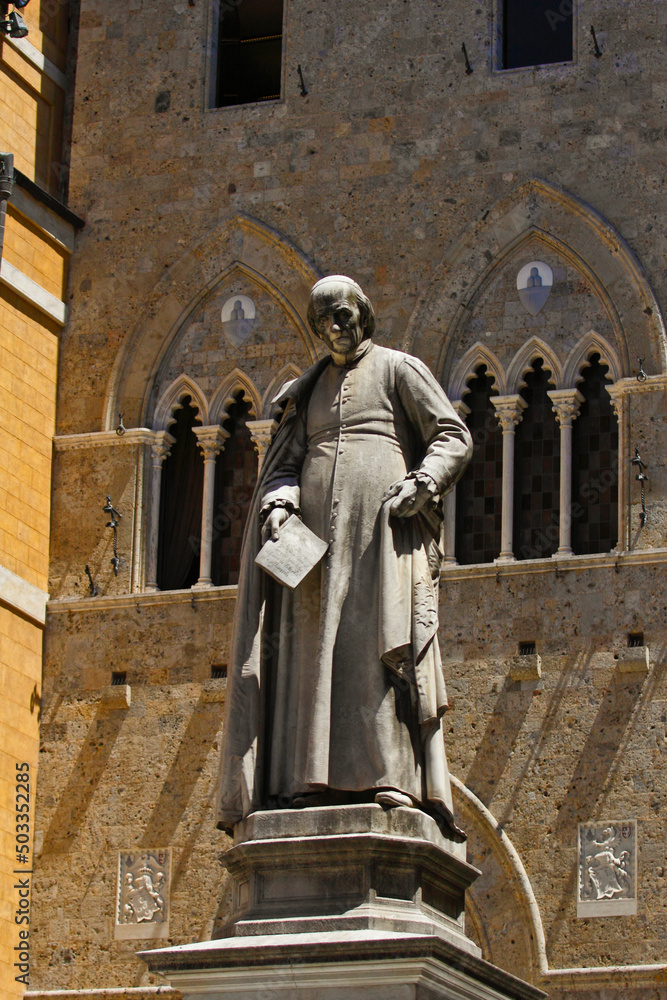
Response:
column 291, row 557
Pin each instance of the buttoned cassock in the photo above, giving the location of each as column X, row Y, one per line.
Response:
column 349, row 688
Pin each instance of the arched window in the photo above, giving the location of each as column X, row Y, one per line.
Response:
column 479, row 492
column 536, row 471
column 235, row 478
column 595, row 466
column 181, row 504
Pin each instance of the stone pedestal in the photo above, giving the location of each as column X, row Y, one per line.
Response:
column 347, row 868
column 350, row 901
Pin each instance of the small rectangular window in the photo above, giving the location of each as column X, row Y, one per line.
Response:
column 250, row 44
column 635, row 639
column 527, row 648
column 118, row 677
column 218, row 671
column 536, row 32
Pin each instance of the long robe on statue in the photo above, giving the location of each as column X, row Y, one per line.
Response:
column 339, row 684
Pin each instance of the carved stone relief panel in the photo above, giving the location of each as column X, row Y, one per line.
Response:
column 142, row 908
column 238, row 319
column 607, row 869
column 534, row 283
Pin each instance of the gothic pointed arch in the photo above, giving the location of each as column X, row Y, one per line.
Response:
column 241, row 246
column 237, row 382
column 539, row 213
column 523, row 360
column 505, row 915
column 580, row 355
column 466, row 367
column 172, row 399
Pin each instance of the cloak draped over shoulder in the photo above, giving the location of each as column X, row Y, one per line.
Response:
column 339, row 684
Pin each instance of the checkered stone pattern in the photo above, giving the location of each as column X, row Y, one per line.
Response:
column 479, row 492
column 236, row 475
column 595, row 466
column 536, row 471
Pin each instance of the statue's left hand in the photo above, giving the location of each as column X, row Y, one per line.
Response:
column 410, row 496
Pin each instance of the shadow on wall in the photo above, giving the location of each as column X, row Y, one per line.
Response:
column 499, row 740
column 621, row 704
column 201, row 733
column 571, row 676
column 86, row 774
column 609, row 732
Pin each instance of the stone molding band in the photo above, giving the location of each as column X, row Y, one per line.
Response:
column 23, row 597
column 61, row 231
column 69, row 605
column 33, row 293
column 39, row 61
column 105, row 439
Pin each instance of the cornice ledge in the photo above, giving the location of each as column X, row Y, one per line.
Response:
column 631, row 384
column 551, row 564
column 600, row 976
column 145, row 599
column 104, row 439
column 105, row 993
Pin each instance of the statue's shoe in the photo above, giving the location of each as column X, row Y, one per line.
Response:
column 390, row 798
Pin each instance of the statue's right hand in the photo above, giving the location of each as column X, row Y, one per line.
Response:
column 276, row 518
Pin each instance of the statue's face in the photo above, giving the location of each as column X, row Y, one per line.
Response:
column 338, row 319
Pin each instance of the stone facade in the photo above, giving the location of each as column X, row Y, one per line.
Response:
column 433, row 188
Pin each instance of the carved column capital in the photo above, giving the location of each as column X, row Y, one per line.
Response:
column 161, row 446
column 617, row 395
column 260, row 433
column 509, row 411
column 211, row 440
column 566, row 404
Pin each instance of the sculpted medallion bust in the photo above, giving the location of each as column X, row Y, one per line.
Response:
column 336, row 690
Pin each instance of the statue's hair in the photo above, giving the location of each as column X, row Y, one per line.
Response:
column 362, row 300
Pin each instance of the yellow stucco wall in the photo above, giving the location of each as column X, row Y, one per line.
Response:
column 20, row 678
column 32, row 99
column 28, row 369
column 31, row 102
column 28, row 362
column 30, row 249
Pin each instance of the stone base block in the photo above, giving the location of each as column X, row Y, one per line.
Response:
column 347, row 868
column 337, row 965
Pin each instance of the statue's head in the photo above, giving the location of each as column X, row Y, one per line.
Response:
column 340, row 314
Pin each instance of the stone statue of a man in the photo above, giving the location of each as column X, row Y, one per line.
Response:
column 336, row 690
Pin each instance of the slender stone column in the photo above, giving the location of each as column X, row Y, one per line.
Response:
column 566, row 405
column 618, row 401
column 449, row 503
column 509, row 411
column 159, row 451
column 211, row 440
column 260, row 432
